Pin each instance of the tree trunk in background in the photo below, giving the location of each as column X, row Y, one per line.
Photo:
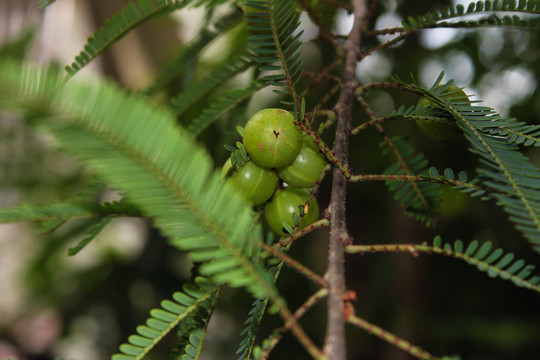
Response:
column 407, row 272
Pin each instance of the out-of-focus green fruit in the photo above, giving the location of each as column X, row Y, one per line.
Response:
column 446, row 127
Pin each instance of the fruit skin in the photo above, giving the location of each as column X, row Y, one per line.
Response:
column 271, row 138
column 284, row 203
column 256, row 183
column 442, row 129
column 306, row 168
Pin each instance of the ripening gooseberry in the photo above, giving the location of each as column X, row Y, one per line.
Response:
column 256, row 183
column 284, row 203
column 306, row 168
column 271, row 138
column 446, row 127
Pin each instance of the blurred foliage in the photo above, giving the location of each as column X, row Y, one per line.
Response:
column 434, row 301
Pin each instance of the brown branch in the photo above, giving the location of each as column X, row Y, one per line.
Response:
column 415, row 178
column 275, row 338
column 327, row 152
column 416, row 249
column 290, row 262
column 328, row 96
column 415, row 351
column 286, row 241
column 335, row 331
column 292, row 324
column 388, row 31
column 324, row 32
column 402, row 161
column 370, row 13
column 386, row 44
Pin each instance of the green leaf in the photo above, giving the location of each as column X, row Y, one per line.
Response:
column 201, row 88
column 18, row 47
column 132, row 15
column 275, row 38
column 190, row 51
column 506, row 268
column 486, row 13
column 256, row 313
column 286, row 227
column 507, row 174
column 140, row 151
column 191, row 320
column 420, row 199
column 224, row 104
column 44, row 3
column 90, row 235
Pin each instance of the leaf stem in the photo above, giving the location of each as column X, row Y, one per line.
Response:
column 308, row 304
column 292, row 323
column 324, row 32
column 282, row 56
column 415, row 351
column 393, row 148
column 287, row 260
column 328, row 153
column 298, row 234
column 416, row 249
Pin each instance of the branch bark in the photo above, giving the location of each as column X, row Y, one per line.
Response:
column 334, row 346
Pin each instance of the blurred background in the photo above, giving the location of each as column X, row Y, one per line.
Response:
column 83, row 307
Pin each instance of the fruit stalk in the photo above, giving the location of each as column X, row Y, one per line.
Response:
column 335, row 331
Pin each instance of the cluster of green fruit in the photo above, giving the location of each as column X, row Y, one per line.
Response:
column 277, row 149
column 443, row 126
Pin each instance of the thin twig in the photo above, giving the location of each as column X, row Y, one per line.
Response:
column 388, row 31
column 386, row 44
column 370, row 123
column 287, row 260
column 328, row 96
column 299, row 333
column 370, row 13
column 324, row 32
column 298, row 234
column 415, row 178
column 275, row 338
column 416, row 249
column 311, row 195
column 327, row 152
column 395, row 151
column 335, row 331
column 415, row 351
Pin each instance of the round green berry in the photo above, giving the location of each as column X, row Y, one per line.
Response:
column 256, row 183
column 271, row 138
column 284, row 203
column 445, row 127
column 306, row 168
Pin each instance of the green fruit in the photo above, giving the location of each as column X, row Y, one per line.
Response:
column 271, row 138
column 305, row 170
column 445, row 128
column 256, row 183
column 286, row 202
